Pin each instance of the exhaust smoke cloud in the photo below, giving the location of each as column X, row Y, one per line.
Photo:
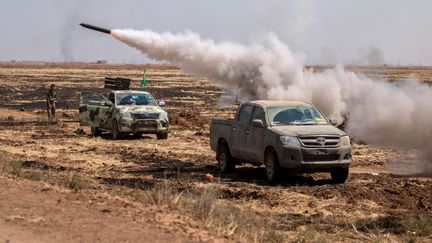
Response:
column 395, row 114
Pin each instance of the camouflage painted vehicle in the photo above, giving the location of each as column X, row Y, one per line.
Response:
column 123, row 112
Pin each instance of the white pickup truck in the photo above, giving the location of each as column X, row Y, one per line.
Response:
column 124, row 111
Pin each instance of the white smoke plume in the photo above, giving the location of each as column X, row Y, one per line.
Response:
column 395, row 114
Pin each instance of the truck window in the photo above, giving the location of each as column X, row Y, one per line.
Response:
column 295, row 115
column 90, row 98
column 135, row 99
column 245, row 114
column 259, row 114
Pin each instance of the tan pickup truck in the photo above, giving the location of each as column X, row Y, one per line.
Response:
column 281, row 134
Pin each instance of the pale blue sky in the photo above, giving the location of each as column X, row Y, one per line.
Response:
column 332, row 31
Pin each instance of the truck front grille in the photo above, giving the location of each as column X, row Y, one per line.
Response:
column 320, row 141
column 325, row 157
column 145, row 115
column 146, row 123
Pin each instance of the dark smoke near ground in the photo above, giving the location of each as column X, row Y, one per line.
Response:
column 381, row 113
column 371, row 55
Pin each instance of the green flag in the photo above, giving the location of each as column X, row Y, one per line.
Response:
column 144, row 80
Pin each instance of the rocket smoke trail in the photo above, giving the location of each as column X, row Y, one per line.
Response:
column 382, row 113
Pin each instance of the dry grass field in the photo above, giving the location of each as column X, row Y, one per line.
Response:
column 58, row 183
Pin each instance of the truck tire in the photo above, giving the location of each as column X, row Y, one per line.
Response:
column 225, row 161
column 95, row 131
column 339, row 175
column 115, row 130
column 162, row 135
column 272, row 167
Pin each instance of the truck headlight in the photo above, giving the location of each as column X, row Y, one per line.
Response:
column 345, row 140
column 126, row 115
column 163, row 115
column 287, row 140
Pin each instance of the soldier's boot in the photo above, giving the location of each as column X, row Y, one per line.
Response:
column 53, row 114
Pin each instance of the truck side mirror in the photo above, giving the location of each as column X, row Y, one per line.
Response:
column 333, row 121
column 106, row 103
column 257, row 123
column 161, row 103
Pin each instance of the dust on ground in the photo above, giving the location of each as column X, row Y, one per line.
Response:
column 114, row 176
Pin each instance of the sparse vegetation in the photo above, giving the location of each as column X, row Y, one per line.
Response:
column 410, row 226
column 71, row 180
column 205, row 205
column 74, row 181
column 372, row 206
column 15, row 168
column 308, row 235
column 422, row 225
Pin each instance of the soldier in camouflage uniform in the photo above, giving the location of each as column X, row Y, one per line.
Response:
column 51, row 97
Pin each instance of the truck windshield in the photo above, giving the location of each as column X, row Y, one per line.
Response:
column 135, row 99
column 295, row 115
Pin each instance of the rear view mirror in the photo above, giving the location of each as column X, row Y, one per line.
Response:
column 161, row 103
column 257, row 123
column 333, row 121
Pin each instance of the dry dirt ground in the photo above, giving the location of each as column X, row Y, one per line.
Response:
column 57, row 183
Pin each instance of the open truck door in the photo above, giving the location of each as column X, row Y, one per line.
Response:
column 93, row 108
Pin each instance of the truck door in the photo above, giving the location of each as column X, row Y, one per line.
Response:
column 255, row 139
column 92, row 109
column 240, row 132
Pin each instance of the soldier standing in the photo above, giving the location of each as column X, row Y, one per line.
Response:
column 51, row 97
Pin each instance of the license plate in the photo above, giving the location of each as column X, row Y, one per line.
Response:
column 144, row 123
column 320, row 152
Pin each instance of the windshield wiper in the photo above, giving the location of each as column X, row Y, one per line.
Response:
column 296, row 123
column 309, row 123
column 284, row 123
column 301, row 123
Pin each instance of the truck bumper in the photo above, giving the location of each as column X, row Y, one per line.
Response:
column 142, row 126
column 319, row 159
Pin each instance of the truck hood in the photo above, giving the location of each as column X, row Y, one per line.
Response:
column 293, row 130
column 140, row 109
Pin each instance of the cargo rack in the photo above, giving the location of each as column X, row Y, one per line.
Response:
column 117, row 83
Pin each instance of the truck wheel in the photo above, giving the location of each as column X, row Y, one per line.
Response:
column 339, row 175
column 225, row 161
column 272, row 168
column 162, row 135
column 95, row 132
column 115, row 130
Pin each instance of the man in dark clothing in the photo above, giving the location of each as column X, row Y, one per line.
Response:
column 51, row 97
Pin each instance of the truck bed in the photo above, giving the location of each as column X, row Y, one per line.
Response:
column 220, row 128
column 222, row 122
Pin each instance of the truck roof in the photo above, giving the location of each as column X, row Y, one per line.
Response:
column 267, row 103
column 129, row 91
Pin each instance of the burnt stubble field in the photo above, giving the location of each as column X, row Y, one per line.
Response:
column 57, row 182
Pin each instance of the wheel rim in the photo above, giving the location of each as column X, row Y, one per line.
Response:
column 222, row 161
column 269, row 168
